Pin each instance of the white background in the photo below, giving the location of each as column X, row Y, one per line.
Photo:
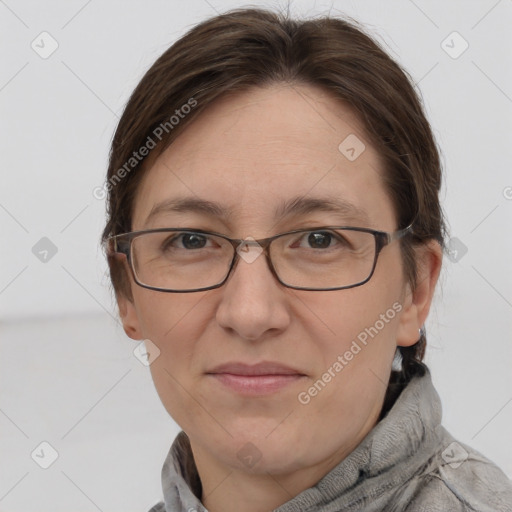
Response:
column 67, row 372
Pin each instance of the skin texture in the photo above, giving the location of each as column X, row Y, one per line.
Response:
column 249, row 152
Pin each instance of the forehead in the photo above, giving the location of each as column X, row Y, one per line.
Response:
column 255, row 151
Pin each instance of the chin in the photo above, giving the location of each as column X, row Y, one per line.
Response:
column 264, row 446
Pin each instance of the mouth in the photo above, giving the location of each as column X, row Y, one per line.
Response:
column 259, row 379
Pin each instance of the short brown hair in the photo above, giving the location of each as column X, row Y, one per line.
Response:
column 245, row 48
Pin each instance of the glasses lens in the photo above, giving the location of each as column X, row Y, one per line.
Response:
column 180, row 260
column 324, row 259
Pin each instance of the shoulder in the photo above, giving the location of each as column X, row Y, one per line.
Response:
column 458, row 478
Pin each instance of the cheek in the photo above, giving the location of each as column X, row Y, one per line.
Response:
column 355, row 333
column 358, row 324
column 168, row 318
column 174, row 323
column 349, row 313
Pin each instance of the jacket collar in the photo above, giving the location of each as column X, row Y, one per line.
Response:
column 391, row 453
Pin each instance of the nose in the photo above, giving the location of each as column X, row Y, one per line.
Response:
column 253, row 303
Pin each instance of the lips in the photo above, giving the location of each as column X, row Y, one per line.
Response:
column 265, row 368
column 257, row 379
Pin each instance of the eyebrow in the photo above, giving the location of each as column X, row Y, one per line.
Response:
column 189, row 204
column 296, row 206
column 305, row 205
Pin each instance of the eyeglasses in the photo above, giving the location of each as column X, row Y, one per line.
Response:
column 191, row 260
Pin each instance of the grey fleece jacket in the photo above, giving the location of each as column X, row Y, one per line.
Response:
column 407, row 463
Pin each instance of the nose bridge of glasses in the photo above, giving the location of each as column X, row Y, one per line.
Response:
column 249, row 241
column 249, row 248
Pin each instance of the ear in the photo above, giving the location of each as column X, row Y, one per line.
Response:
column 129, row 317
column 416, row 305
column 127, row 311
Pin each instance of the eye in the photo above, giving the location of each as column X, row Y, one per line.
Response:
column 321, row 240
column 185, row 241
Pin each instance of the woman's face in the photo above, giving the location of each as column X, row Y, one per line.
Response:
column 252, row 153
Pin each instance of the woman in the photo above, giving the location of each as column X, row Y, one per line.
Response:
column 275, row 236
